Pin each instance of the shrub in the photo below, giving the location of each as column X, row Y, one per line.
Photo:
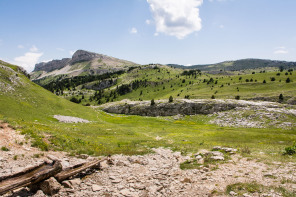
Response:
column 75, row 100
column 281, row 97
column 3, row 148
column 171, row 99
column 272, row 78
column 291, row 150
column 245, row 150
column 288, row 80
column 213, row 97
column 152, row 102
column 237, row 97
column 264, row 81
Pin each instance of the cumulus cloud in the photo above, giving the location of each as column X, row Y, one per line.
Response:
column 134, row 30
column 29, row 59
column 177, row 18
column 20, row 46
column 148, row 22
column 281, row 50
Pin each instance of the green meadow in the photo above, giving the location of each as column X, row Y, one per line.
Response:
column 30, row 109
column 165, row 81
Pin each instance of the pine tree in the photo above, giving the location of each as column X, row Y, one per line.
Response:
column 152, row 102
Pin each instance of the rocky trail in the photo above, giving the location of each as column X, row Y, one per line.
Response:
column 155, row 174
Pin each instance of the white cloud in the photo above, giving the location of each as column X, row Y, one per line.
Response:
column 33, row 49
column 71, row 52
column 60, row 49
column 281, row 50
column 134, row 30
column 28, row 60
column 177, row 18
column 221, row 26
column 20, row 46
column 148, row 22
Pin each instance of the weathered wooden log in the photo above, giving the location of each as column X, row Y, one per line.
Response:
column 29, row 176
column 69, row 172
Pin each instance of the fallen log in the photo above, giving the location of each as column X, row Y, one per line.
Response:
column 29, row 176
column 69, row 172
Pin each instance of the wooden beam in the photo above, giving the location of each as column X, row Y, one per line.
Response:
column 29, row 176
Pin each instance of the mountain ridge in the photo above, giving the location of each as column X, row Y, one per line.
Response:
column 81, row 63
column 242, row 64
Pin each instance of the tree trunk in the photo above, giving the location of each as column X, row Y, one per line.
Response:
column 77, row 169
column 29, row 176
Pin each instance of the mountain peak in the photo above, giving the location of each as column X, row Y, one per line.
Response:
column 82, row 55
column 82, row 62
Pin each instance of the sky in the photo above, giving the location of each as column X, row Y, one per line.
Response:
column 186, row 32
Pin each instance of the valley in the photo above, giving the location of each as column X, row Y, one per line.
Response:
column 156, row 110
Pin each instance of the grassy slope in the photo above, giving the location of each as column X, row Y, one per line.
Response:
column 30, row 109
column 197, row 89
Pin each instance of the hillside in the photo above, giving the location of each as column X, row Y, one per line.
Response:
column 81, row 63
column 32, row 109
column 258, row 133
column 160, row 82
column 21, row 98
column 238, row 65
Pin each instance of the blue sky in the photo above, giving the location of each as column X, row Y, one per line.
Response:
column 148, row 31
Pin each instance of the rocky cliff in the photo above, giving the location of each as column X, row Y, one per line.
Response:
column 163, row 108
column 81, row 55
column 52, row 65
column 82, row 62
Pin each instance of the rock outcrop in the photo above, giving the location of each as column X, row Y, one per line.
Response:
column 81, row 56
column 82, row 62
column 164, row 108
column 52, row 65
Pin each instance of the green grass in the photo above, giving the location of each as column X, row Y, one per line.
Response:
column 167, row 81
column 198, row 89
column 254, row 187
column 4, row 148
column 30, row 109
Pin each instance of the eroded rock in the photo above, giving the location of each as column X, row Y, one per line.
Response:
column 50, row 186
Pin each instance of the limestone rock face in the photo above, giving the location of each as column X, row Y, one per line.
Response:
column 82, row 62
column 52, row 65
column 292, row 101
column 182, row 107
column 81, row 55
